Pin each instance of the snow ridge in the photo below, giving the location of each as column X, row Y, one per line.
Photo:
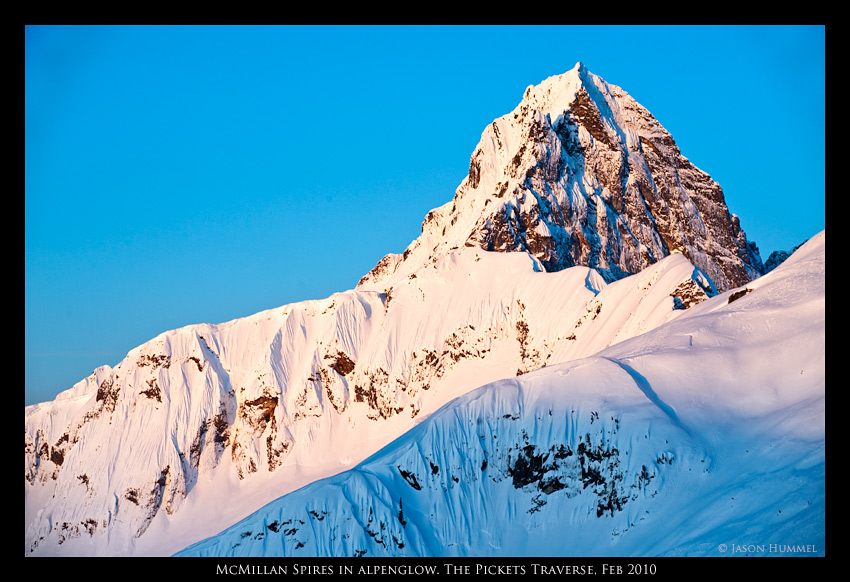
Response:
column 265, row 404
column 606, row 455
column 616, row 239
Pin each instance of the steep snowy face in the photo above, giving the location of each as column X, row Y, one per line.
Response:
column 706, row 431
column 130, row 460
column 579, row 179
column 581, row 174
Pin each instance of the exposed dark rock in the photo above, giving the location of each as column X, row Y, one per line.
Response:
column 154, row 361
column 401, row 519
column 410, row 478
column 688, row 294
column 374, row 393
column 153, row 392
column 591, row 465
column 738, row 294
column 107, row 394
column 259, row 412
column 132, row 495
column 197, row 362
column 578, row 192
column 475, row 169
column 527, row 468
column 776, row 258
column 57, row 456
column 341, row 363
column 385, row 266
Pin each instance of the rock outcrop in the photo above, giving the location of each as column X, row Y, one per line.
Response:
column 581, row 174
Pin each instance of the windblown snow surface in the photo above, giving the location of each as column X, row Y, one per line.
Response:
column 232, row 416
column 703, row 434
column 623, row 406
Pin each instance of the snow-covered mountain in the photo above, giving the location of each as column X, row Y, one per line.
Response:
column 703, row 434
column 613, row 234
column 579, row 173
column 234, row 415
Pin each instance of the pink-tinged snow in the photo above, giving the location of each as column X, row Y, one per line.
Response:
column 707, row 432
column 126, row 484
column 197, row 428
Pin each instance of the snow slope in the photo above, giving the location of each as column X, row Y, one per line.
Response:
column 578, row 228
column 706, row 431
column 234, row 415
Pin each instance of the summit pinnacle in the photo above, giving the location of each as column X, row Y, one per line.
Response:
column 579, row 173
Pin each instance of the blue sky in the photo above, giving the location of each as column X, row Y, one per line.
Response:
column 178, row 175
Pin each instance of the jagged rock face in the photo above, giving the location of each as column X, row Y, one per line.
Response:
column 776, row 258
column 581, row 174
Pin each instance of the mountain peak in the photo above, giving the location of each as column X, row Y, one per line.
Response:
column 581, row 69
column 579, row 173
column 577, row 179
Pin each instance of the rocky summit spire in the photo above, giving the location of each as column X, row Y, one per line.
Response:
column 579, row 173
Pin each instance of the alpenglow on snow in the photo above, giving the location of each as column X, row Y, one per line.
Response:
column 702, row 437
column 580, row 228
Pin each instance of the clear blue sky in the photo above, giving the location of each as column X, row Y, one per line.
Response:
column 178, row 175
